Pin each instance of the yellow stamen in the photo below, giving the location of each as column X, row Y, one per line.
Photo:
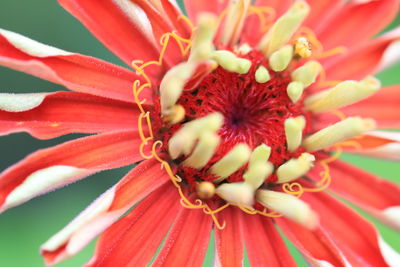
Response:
column 205, row 190
column 295, row 91
column 307, row 73
column 175, row 114
column 338, row 132
column 231, row 162
column 284, row 28
column 343, row 94
column 302, row 48
column 280, row 59
column 290, row 206
column 262, row 75
column 295, row 168
column 204, row 150
column 294, row 132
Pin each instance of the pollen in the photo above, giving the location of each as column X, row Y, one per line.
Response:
column 205, row 190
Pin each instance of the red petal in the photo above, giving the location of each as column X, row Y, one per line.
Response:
column 368, row 191
column 195, row 7
column 137, row 184
column 321, row 11
column 66, row 112
column 363, row 60
column 229, row 241
column 280, row 6
column 187, row 241
column 134, row 239
column 174, row 14
column 75, row 159
column 118, row 27
column 356, row 237
column 74, row 71
column 264, row 244
column 356, row 22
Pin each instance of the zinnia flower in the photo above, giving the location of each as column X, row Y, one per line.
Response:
column 235, row 118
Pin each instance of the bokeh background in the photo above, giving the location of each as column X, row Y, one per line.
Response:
column 25, row 228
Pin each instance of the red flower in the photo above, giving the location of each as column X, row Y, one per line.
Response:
column 236, row 126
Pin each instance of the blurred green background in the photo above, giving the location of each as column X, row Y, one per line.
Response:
column 25, row 228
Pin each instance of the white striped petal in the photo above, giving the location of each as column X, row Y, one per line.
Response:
column 20, row 102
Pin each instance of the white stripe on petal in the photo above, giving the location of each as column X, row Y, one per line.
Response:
column 391, row 216
column 391, row 56
column 32, row 47
column 391, row 257
column 389, row 151
column 137, row 16
column 43, row 181
column 20, row 102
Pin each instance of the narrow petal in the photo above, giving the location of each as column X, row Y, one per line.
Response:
column 356, row 22
column 119, row 24
column 280, row 6
column 368, row 58
column 317, row 246
column 377, row 196
column 187, row 241
column 174, row 14
column 108, row 208
column 49, row 115
column 229, row 241
column 51, row 168
column 195, row 7
column 134, row 239
column 357, row 238
column 321, row 11
column 74, row 71
column 264, row 244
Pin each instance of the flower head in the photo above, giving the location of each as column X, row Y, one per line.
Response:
column 236, row 118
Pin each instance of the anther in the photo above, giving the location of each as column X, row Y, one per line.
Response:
column 289, row 206
column 294, row 132
column 295, row 168
column 230, row 62
column 302, row 48
column 284, row 28
column 280, row 59
column 343, row 94
column 256, row 173
column 262, row 75
column 175, row 114
column 236, row 193
column 260, row 154
column 202, row 44
column 231, row 162
column 295, row 91
column 307, row 73
column 338, row 132
column 183, row 140
column 205, row 190
column 205, row 149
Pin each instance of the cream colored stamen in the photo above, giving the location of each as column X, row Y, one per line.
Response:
column 338, row 132
column 280, row 59
column 262, row 75
column 231, row 162
column 236, row 193
column 289, row 206
column 172, row 85
column 257, row 173
column 343, row 94
column 284, row 28
column 202, row 44
column 260, row 154
column 294, row 132
column 183, row 140
column 295, row 168
column 244, row 49
column 295, row 91
column 307, row 73
column 302, row 48
column 235, row 18
column 230, row 62
column 204, row 150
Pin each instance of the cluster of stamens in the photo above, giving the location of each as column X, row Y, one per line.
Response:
column 206, row 159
